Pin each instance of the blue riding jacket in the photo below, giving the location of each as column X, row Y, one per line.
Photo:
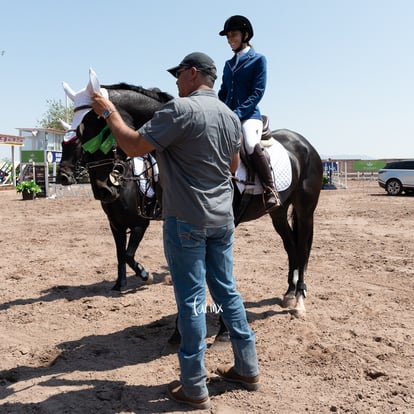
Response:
column 243, row 86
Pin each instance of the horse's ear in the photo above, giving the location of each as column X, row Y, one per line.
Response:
column 65, row 125
column 93, row 85
column 70, row 93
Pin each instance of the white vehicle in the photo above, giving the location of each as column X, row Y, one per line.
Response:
column 397, row 176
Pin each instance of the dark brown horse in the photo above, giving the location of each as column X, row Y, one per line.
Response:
column 294, row 221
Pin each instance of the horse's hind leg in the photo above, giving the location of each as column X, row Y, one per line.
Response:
column 137, row 234
column 284, row 229
column 304, row 245
column 302, row 236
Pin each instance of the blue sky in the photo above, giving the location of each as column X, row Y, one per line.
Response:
column 340, row 72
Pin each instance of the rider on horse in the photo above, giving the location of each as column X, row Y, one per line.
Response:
column 243, row 86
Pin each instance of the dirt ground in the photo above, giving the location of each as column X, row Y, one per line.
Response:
column 68, row 344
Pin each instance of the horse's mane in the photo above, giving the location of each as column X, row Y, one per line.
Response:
column 153, row 93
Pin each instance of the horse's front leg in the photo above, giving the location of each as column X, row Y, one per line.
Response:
column 120, row 243
column 137, row 234
column 294, row 299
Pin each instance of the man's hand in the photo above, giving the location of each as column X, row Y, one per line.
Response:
column 100, row 104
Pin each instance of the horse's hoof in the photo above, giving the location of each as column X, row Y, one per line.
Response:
column 221, row 342
column 145, row 276
column 116, row 287
column 173, row 344
column 119, row 285
column 289, row 301
column 149, row 280
column 170, row 348
column 298, row 313
column 222, row 337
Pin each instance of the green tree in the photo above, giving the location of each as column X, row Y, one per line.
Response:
column 56, row 112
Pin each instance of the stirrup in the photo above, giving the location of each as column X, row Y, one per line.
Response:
column 267, row 193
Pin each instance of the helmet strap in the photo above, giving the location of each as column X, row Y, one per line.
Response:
column 242, row 46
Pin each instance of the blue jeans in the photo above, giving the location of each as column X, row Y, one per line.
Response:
column 197, row 255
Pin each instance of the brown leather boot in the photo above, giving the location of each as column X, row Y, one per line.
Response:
column 271, row 198
column 228, row 373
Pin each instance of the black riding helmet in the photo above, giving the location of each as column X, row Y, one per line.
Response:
column 238, row 23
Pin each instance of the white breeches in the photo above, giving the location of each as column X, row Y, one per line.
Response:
column 252, row 133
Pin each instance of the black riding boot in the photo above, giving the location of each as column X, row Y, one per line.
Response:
column 271, row 198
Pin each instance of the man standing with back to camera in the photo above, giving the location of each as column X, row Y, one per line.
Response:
column 197, row 139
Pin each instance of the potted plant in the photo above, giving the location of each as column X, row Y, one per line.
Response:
column 29, row 189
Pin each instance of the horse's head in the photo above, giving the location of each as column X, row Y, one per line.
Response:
column 89, row 138
column 71, row 157
column 103, row 159
column 106, row 163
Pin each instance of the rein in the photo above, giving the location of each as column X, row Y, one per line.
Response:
column 100, row 163
column 239, row 180
column 148, row 205
column 117, row 175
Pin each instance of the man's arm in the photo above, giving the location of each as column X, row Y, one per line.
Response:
column 130, row 141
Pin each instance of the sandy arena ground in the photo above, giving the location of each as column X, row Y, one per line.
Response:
column 68, row 344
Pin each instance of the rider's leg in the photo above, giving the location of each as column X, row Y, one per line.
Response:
column 252, row 132
column 270, row 196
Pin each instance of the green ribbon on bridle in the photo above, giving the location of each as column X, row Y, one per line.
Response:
column 100, row 142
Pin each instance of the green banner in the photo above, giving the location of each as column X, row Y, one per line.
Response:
column 368, row 165
column 32, row 156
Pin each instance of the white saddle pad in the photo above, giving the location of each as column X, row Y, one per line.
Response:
column 281, row 168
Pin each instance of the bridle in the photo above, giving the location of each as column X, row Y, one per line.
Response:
column 117, row 175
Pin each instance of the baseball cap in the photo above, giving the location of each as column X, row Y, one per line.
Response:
column 198, row 60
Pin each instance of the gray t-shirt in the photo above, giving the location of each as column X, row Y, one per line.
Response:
column 195, row 138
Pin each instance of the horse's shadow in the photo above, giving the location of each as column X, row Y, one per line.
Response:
column 103, row 353
column 273, row 302
column 91, row 352
column 98, row 353
column 78, row 292
column 107, row 397
column 95, row 353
